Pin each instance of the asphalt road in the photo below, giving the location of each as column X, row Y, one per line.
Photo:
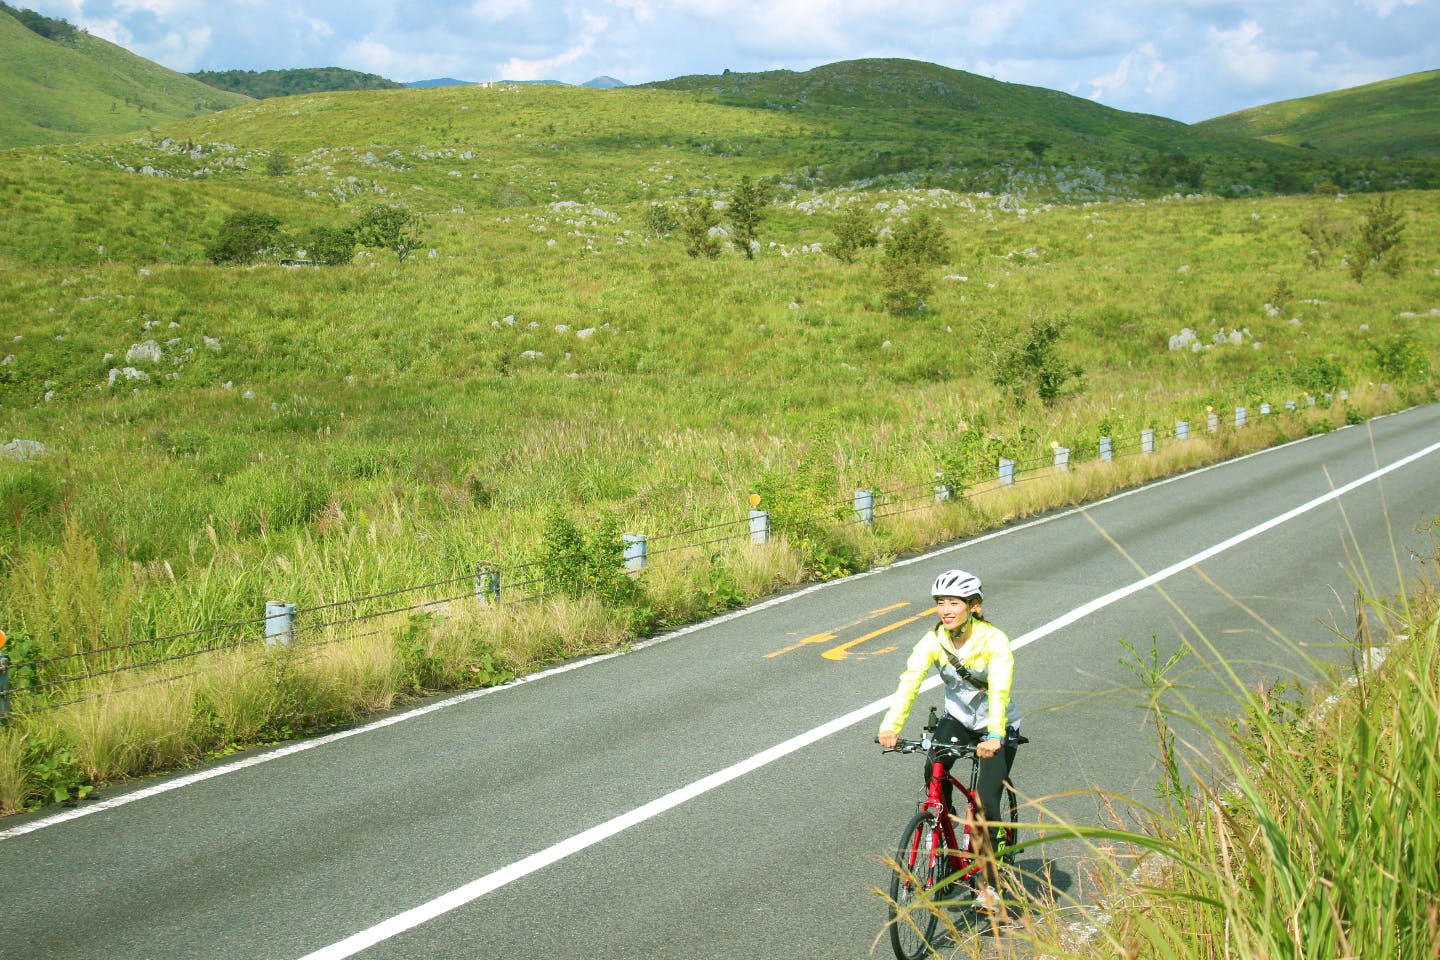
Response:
column 717, row 793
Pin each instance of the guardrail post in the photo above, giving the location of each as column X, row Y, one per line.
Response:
column 1212, row 422
column 634, row 551
column 759, row 526
column 487, row 584
column 1062, row 458
column 1007, row 472
column 1147, row 440
column 1107, row 449
column 1239, row 417
column 1309, row 400
column 1344, row 394
column 1264, row 409
column 279, row 623
column 865, row 507
column 1290, row 405
column 1182, row 429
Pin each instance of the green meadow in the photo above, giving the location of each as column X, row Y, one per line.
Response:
column 549, row 367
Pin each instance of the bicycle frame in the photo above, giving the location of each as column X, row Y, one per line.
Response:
column 956, row 849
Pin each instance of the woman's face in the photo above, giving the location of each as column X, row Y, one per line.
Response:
column 954, row 611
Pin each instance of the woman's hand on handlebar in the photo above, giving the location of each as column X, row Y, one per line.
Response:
column 888, row 739
column 987, row 748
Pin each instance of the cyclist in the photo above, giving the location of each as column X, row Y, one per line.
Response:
column 977, row 666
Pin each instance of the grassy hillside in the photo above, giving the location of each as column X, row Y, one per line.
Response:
column 260, row 84
column 1392, row 118
column 216, row 436
column 59, row 91
column 950, row 128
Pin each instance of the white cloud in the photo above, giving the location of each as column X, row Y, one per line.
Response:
column 543, row 69
column 1384, row 8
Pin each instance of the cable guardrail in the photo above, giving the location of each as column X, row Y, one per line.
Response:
column 24, row 677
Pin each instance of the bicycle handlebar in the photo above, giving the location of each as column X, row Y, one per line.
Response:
column 959, row 752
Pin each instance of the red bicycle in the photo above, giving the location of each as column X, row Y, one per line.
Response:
column 932, row 858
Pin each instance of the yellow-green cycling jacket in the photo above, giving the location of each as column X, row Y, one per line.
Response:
column 986, row 656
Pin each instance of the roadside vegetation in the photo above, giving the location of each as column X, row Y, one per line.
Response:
column 519, row 347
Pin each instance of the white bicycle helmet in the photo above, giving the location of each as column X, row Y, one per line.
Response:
column 957, row 583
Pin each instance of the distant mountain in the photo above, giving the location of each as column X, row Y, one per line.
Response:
column 285, row 83
column 439, row 82
column 1394, row 118
column 61, row 84
column 599, row 83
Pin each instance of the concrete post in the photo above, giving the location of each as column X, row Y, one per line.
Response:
column 1264, row 409
column 487, row 584
column 634, row 551
column 279, row 623
column 1212, row 422
column 1239, row 417
column 865, row 507
column 759, row 526
column 1007, row 472
column 1107, row 449
column 1147, row 440
column 1062, row 458
column 1182, row 429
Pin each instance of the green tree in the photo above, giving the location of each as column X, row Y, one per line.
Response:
column 386, row 227
column 245, row 236
column 854, row 232
column 277, row 164
column 660, row 220
column 906, row 274
column 697, row 219
column 747, row 210
column 1031, row 363
column 1378, row 241
column 920, row 239
column 331, row 245
column 1322, row 234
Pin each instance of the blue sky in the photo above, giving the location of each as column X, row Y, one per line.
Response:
column 1188, row 60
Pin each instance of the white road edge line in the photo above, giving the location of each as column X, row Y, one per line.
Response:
column 200, row 776
column 461, row 896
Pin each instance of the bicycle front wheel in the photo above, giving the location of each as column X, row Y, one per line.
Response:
column 921, row 862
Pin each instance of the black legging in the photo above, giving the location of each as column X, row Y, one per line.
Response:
column 994, row 772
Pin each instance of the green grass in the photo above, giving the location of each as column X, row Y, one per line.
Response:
column 65, row 91
column 1396, row 118
column 317, row 435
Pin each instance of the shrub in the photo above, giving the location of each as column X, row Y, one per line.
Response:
column 1378, row 241
column 747, row 209
column 389, row 227
column 696, row 221
column 1400, row 357
column 245, row 237
column 854, row 232
column 1031, row 363
column 331, row 245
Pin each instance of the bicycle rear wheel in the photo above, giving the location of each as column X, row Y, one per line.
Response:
column 922, row 863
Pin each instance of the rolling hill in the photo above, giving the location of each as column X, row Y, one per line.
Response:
column 1393, row 118
column 261, row 84
column 58, row 91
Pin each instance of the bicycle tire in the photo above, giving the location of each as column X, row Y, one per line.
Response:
column 913, row 927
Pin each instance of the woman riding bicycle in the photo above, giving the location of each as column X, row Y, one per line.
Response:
column 977, row 666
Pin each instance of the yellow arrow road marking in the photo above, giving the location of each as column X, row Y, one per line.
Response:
column 842, row 652
column 829, row 635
